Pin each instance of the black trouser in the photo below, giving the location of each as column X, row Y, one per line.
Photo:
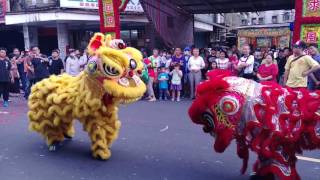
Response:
column 23, row 77
column 248, row 76
column 30, row 82
column 4, row 90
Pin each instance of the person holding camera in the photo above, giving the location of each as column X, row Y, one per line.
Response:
column 40, row 64
column 19, row 58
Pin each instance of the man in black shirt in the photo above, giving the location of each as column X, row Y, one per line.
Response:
column 5, row 76
column 56, row 66
column 281, row 60
column 212, row 57
column 19, row 58
column 40, row 64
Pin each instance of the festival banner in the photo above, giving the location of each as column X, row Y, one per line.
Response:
column 310, row 33
column 109, row 17
column 311, row 8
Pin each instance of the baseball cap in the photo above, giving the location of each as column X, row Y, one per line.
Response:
column 300, row 44
column 187, row 48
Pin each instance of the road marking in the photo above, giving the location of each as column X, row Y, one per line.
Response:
column 309, row 159
column 4, row 112
column 164, row 129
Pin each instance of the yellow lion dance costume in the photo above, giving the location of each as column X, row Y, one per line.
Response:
column 111, row 78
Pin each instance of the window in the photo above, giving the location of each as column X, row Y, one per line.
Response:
column 254, row 21
column 274, row 19
column 261, row 20
column 134, row 34
column 244, row 22
column 125, row 34
column 286, row 16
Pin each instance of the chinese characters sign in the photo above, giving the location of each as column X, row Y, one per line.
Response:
column 264, row 37
column 311, row 33
column 311, row 8
column 108, row 14
column 264, row 32
column 132, row 6
column 87, row 4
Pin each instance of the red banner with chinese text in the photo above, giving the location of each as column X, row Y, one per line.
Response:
column 110, row 17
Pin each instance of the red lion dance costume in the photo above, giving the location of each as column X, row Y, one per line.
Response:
column 273, row 121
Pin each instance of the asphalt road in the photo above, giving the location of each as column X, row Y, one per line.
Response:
column 157, row 142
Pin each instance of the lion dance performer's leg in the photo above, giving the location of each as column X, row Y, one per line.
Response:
column 103, row 129
column 49, row 114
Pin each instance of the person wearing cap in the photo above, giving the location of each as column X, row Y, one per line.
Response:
column 298, row 67
column 185, row 71
column 281, row 62
column 212, row 57
column 314, row 78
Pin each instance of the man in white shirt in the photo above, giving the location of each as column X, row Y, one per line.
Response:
column 246, row 63
column 73, row 64
column 195, row 64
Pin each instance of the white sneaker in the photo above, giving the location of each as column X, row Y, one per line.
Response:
column 178, row 99
column 152, row 99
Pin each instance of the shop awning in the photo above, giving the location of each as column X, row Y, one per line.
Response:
column 65, row 16
column 229, row 6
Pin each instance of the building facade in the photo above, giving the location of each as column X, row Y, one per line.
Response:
column 266, row 29
column 267, row 17
column 61, row 24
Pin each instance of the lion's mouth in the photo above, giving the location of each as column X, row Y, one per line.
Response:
column 133, row 81
column 107, row 99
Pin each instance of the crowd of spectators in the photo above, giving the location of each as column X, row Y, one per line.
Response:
column 174, row 73
column 19, row 70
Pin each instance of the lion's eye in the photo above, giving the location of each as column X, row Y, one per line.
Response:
column 133, row 64
column 207, row 117
column 229, row 105
column 121, row 45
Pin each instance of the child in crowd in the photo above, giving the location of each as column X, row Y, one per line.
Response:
column 214, row 65
column 233, row 62
column 176, row 86
column 163, row 79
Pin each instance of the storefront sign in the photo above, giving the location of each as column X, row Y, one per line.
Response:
column 265, row 37
column 86, row 4
column 264, row 32
column 311, row 8
column 132, row 6
column 311, row 33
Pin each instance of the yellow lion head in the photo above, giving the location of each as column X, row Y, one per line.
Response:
column 117, row 67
